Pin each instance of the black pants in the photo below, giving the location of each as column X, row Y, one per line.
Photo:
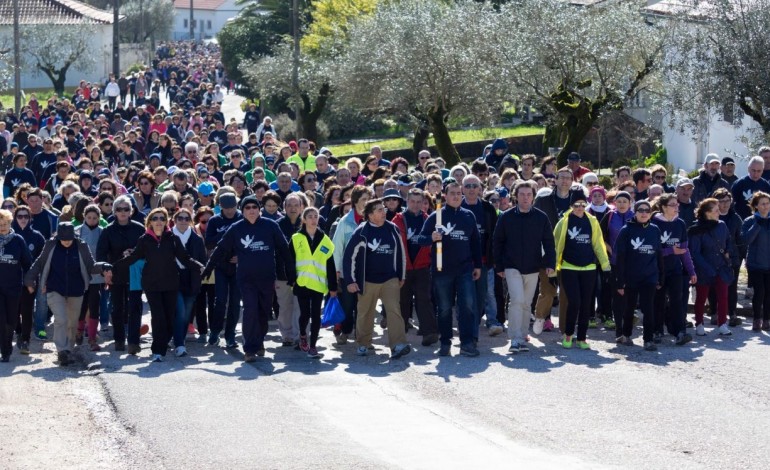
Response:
column 501, row 299
column 668, row 305
column 760, row 280
column 26, row 307
column 349, row 304
column 126, row 309
column 111, row 101
column 310, row 312
column 417, row 286
column 644, row 294
column 163, row 312
column 91, row 302
column 618, row 305
column 579, row 288
column 9, row 315
column 604, row 297
column 204, row 301
column 257, row 303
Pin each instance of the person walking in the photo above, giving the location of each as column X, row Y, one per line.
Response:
column 63, row 271
column 90, row 232
column 35, row 242
column 189, row 279
column 16, row 259
column 313, row 252
column 756, row 235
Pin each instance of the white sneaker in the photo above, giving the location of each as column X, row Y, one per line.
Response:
column 537, row 327
column 156, row 358
column 724, row 331
column 180, row 351
column 495, row 330
column 700, row 330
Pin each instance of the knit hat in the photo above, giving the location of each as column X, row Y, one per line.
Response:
column 249, row 200
column 640, row 203
column 624, row 194
column 577, row 196
column 598, row 189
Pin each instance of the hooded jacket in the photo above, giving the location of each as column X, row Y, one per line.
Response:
column 712, row 251
column 113, row 241
column 611, row 224
column 43, row 266
column 756, row 234
column 674, row 234
column 639, row 258
column 15, row 259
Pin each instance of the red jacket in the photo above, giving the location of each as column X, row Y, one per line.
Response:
column 423, row 256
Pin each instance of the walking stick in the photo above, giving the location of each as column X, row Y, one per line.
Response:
column 439, row 245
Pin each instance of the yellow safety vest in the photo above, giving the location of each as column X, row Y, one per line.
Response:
column 311, row 267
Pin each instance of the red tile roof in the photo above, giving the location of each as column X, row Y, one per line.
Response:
column 55, row 12
column 199, row 4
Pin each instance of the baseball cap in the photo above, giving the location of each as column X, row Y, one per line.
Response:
column 228, row 201
column 65, row 232
column 684, row 182
column 712, row 157
column 206, row 189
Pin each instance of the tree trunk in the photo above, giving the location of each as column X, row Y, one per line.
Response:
column 577, row 128
column 420, row 139
column 312, row 113
column 552, row 137
column 447, row 151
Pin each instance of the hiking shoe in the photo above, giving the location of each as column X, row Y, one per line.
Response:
column 515, row 347
column 593, row 323
column 495, row 330
column 313, row 353
column 700, row 330
column 445, row 350
column 120, row 346
column 362, row 351
column 180, row 351
column 400, row 350
column 24, row 348
column 41, row 335
column 232, row 345
column 429, row 340
column 303, row 345
column 538, row 326
column 682, row 339
column 469, row 350
column 657, row 338
column 156, row 358
column 650, row 346
column 342, row 339
column 134, row 349
column 620, row 339
column 610, row 324
column 566, row 343
column 548, row 325
column 735, row 321
column 287, row 343
column 583, row 345
column 765, row 325
column 724, row 330
column 249, row 358
column 757, row 325
column 261, row 352
column 524, row 347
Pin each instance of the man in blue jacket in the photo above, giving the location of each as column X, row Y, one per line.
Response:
column 460, row 237
column 260, row 248
column 374, row 266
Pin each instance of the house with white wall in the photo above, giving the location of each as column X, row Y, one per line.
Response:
column 209, row 17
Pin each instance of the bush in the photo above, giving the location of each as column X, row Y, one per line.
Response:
column 347, row 122
column 135, row 68
column 287, row 129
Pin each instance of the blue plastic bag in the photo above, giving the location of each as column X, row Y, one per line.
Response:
column 332, row 313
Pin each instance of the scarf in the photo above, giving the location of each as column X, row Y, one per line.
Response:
column 4, row 240
column 184, row 237
column 600, row 209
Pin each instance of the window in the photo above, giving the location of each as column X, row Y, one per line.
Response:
column 185, row 23
column 208, row 24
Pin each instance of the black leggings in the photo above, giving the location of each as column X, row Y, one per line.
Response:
column 644, row 294
column 204, row 301
column 9, row 315
column 26, row 306
column 91, row 302
column 310, row 311
column 163, row 311
column 579, row 288
column 760, row 280
column 668, row 305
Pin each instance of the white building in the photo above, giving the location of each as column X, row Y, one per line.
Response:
column 60, row 14
column 209, row 17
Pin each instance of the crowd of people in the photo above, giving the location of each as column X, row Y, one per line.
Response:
column 107, row 202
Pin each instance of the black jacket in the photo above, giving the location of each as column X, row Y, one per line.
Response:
column 116, row 239
column 190, row 279
column 524, row 241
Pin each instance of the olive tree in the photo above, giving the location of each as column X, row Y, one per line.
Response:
column 432, row 59
column 574, row 63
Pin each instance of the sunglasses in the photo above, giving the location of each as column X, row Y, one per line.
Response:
column 579, row 204
column 204, row 222
column 9, row 207
column 122, row 209
column 158, row 218
column 183, row 218
column 643, row 211
column 22, row 216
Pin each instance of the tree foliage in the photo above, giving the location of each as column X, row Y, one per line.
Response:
column 575, row 63
column 428, row 59
column 153, row 20
column 329, row 30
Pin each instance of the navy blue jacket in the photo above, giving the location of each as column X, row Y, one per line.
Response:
column 34, row 239
column 15, row 177
column 712, row 251
column 524, row 241
column 639, row 258
column 215, row 230
column 756, row 235
column 742, row 191
column 260, row 248
column 362, row 242
column 461, row 242
column 14, row 261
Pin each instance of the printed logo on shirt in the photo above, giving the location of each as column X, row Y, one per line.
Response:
column 222, row 228
column 8, row 259
column 15, row 182
column 410, row 233
column 664, row 237
column 638, row 245
column 747, row 194
column 249, row 244
column 378, row 247
column 582, row 238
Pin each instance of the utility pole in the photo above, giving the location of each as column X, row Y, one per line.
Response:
column 16, row 58
column 116, row 39
column 141, row 26
column 295, row 69
column 192, row 28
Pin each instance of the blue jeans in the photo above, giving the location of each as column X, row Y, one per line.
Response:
column 105, row 307
column 481, row 299
column 227, row 304
column 490, row 308
column 184, row 306
column 445, row 288
column 41, row 310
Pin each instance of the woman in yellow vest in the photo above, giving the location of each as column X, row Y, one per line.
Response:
column 316, row 276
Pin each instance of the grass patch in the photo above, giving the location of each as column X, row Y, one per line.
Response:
column 7, row 97
column 457, row 137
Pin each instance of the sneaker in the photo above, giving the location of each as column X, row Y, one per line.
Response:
column 495, row 330
column 203, row 338
column 735, row 321
column 548, row 325
column 515, row 348
column 180, row 351
column 41, row 335
column 134, row 349
column 287, row 343
column 583, row 345
column 765, row 325
column 610, row 324
column 524, row 347
column 303, row 345
column 249, row 358
column 64, row 358
column 342, row 339
column 429, row 340
column 120, row 346
column 724, row 330
column 657, row 338
column 620, row 339
column 650, row 346
column 469, row 350
column 24, row 348
column 156, row 358
column 689, row 324
column 566, row 343
column 313, row 353
column 757, row 325
column 79, row 338
column 261, row 352
column 682, row 339
column 400, row 350
column 362, row 351
column 384, row 322
column 213, row 340
column 191, row 331
column 94, row 346
column 337, row 330
column 538, row 326
column 445, row 350
column 232, row 345
column 5, row 359
column 593, row 323
column 104, row 327
column 700, row 330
